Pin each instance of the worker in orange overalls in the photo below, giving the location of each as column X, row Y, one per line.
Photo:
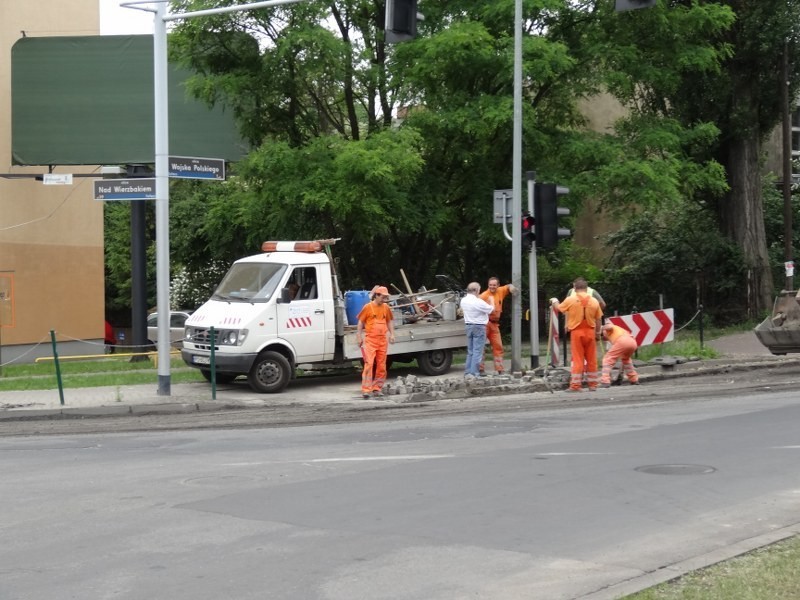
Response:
column 376, row 320
column 584, row 317
column 623, row 345
column 497, row 293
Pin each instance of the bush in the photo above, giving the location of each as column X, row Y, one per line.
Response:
column 678, row 257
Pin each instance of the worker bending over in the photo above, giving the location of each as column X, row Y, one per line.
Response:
column 623, row 345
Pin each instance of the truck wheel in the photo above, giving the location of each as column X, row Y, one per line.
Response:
column 270, row 373
column 435, row 362
column 221, row 377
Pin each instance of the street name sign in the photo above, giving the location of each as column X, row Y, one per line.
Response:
column 125, row 189
column 57, row 179
column 187, row 167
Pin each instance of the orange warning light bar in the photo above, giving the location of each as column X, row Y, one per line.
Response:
column 291, row 247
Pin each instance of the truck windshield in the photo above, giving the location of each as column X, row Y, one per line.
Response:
column 250, row 282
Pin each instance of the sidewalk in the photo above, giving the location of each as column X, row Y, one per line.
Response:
column 740, row 352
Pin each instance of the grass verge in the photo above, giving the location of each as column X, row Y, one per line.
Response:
column 769, row 573
column 92, row 373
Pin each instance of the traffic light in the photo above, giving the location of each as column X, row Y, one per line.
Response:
column 623, row 5
column 401, row 20
column 546, row 212
column 527, row 231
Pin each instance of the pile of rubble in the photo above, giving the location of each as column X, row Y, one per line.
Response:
column 411, row 388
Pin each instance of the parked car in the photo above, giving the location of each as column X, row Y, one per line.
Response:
column 177, row 319
column 108, row 339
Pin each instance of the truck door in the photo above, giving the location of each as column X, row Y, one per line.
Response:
column 304, row 322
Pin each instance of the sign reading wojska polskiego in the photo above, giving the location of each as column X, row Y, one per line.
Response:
column 186, row 167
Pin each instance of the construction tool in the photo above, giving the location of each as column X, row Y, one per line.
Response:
column 408, row 287
column 547, row 355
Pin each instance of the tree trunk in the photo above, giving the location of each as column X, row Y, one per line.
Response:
column 742, row 221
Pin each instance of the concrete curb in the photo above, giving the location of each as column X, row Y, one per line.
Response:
column 182, row 405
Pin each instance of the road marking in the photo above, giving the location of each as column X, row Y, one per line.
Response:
column 368, row 458
column 342, row 459
column 575, row 453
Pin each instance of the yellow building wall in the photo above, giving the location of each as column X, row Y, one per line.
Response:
column 51, row 237
column 600, row 112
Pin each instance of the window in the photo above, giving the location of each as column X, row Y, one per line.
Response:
column 303, row 283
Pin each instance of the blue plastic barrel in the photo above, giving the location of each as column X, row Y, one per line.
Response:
column 354, row 301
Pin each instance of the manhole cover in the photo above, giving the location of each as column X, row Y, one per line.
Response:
column 676, row 469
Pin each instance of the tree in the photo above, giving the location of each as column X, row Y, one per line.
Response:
column 319, row 103
column 654, row 70
column 397, row 150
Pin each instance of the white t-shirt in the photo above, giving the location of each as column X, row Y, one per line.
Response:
column 476, row 311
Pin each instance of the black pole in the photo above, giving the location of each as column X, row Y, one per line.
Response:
column 138, row 279
column 139, row 266
column 787, row 171
column 700, row 325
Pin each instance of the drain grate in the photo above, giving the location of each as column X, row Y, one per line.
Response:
column 676, row 469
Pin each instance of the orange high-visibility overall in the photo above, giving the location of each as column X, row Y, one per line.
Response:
column 493, row 335
column 583, row 313
column 376, row 319
column 623, row 345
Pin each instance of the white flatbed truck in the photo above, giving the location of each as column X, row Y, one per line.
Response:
column 282, row 309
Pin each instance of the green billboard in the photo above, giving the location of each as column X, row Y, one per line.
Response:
column 88, row 100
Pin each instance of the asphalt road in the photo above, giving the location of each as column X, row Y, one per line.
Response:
column 496, row 498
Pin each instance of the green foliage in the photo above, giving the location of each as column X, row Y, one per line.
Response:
column 189, row 289
column 117, row 234
column 397, row 149
column 557, row 270
column 676, row 252
column 774, row 225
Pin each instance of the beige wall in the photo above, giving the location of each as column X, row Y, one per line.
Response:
column 600, row 112
column 51, row 237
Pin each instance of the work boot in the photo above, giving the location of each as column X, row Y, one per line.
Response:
column 366, row 396
column 377, row 394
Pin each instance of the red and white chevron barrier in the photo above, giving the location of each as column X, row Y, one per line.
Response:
column 648, row 327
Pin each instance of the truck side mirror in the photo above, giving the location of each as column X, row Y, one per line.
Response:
column 286, row 295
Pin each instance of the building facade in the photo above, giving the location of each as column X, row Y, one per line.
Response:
column 51, row 236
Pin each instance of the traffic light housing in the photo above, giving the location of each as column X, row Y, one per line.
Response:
column 622, row 5
column 546, row 212
column 527, row 231
column 401, row 20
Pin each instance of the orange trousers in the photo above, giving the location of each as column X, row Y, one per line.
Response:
column 622, row 349
column 584, row 357
column 495, row 339
column 373, row 351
